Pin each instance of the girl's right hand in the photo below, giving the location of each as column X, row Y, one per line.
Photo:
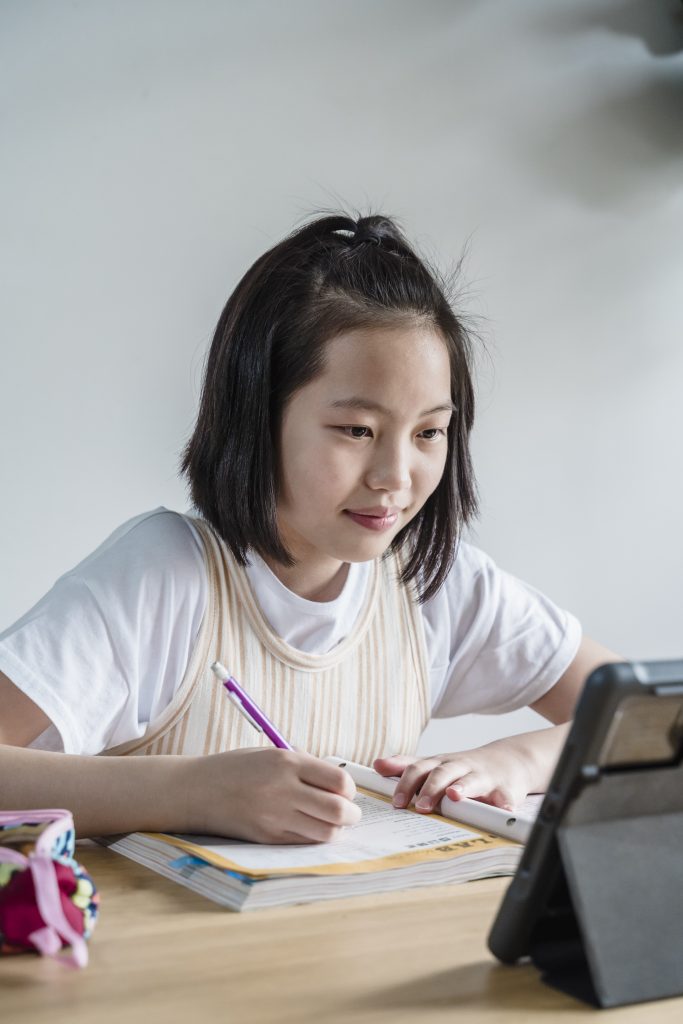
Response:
column 267, row 795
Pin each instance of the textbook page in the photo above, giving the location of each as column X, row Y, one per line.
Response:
column 384, row 838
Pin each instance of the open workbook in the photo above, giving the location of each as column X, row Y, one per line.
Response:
column 388, row 849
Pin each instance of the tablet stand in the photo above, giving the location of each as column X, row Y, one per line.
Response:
column 612, row 929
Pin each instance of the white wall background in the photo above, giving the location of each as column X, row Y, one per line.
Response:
column 152, row 149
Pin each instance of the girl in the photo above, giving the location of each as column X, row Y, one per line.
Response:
column 331, row 478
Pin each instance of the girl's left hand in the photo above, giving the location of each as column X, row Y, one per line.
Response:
column 499, row 773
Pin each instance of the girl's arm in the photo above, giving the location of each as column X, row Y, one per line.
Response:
column 264, row 795
column 558, row 704
column 105, row 794
column 505, row 771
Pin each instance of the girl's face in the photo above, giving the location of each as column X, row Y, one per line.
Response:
column 362, row 447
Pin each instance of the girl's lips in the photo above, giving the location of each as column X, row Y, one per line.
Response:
column 373, row 522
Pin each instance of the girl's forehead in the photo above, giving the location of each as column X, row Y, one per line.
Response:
column 357, row 351
column 386, row 368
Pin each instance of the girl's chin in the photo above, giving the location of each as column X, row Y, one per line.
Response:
column 363, row 551
column 350, row 543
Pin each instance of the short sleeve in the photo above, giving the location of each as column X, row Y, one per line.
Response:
column 104, row 650
column 494, row 643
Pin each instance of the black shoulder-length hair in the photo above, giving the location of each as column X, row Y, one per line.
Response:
column 333, row 275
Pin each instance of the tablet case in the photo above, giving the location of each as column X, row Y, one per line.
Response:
column 612, row 929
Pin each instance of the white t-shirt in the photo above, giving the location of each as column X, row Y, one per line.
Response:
column 104, row 651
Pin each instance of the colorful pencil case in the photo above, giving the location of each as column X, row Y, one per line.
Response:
column 48, row 902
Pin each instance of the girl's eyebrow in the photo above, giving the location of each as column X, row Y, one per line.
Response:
column 368, row 405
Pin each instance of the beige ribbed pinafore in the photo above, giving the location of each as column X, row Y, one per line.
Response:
column 366, row 697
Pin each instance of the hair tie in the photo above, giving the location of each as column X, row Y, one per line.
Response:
column 367, row 233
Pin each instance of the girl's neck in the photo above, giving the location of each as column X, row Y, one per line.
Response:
column 314, row 583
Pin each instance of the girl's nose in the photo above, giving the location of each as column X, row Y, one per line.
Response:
column 390, row 471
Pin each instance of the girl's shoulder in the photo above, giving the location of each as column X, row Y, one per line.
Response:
column 471, row 574
column 154, row 545
column 106, row 646
column 475, row 593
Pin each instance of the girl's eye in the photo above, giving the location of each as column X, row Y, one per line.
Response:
column 432, row 433
column 357, row 432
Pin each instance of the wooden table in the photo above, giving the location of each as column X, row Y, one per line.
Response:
column 160, row 953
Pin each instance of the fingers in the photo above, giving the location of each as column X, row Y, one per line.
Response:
column 317, row 817
column 412, row 775
column 478, row 786
column 456, row 776
column 329, row 808
column 429, row 777
column 271, row 795
column 326, row 776
column 323, row 802
column 291, row 839
column 393, row 765
column 314, row 829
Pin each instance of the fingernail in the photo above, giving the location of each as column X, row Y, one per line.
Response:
column 424, row 804
column 400, row 800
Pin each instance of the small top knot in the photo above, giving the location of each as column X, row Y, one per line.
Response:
column 366, row 231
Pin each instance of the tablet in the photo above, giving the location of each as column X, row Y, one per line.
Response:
column 599, row 887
